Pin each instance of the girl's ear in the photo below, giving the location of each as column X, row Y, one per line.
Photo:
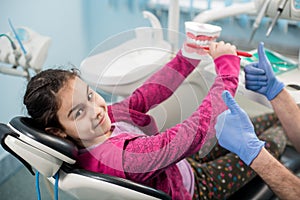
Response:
column 56, row 131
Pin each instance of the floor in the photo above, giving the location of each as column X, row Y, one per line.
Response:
column 21, row 185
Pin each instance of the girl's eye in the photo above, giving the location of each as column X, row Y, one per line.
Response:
column 78, row 113
column 90, row 96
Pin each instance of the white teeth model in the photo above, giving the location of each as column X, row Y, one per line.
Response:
column 198, row 35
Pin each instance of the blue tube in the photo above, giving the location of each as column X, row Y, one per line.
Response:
column 56, row 186
column 37, row 185
column 17, row 37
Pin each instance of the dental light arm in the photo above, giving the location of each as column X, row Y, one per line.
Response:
column 30, row 52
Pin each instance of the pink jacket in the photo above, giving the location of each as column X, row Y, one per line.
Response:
column 151, row 160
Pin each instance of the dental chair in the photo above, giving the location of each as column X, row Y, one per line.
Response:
column 54, row 157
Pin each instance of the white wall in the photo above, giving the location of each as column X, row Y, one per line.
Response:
column 75, row 27
column 56, row 19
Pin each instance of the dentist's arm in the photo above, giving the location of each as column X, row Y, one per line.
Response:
column 289, row 115
column 283, row 183
column 261, row 79
column 235, row 132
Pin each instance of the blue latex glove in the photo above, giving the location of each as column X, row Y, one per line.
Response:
column 235, row 131
column 260, row 76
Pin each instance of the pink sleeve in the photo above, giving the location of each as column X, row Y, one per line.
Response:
column 145, row 156
column 161, row 84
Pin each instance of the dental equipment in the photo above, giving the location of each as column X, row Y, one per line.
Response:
column 280, row 64
column 199, row 35
column 49, row 155
column 285, row 9
column 291, row 11
column 17, row 37
column 13, row 46
column 220, row 13
column 260, row 15
column 30, row 51
column 280, row 8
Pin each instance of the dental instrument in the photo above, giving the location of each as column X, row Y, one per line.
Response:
column 280, row 64
column 17, row 37
column 261, row 14
column 13, row 46
column 291, row 11
column 286, row 9
column 26, row 49
column 280, row 8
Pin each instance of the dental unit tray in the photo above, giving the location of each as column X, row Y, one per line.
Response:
column 280, row 63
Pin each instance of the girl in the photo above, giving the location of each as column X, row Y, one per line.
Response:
column 122, row 139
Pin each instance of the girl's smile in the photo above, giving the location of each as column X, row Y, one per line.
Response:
column 83, row 113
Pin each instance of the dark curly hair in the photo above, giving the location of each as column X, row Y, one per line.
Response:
column 40, row 97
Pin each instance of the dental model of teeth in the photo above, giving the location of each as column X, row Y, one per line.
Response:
column 199, row 35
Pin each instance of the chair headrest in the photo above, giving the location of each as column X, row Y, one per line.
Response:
column 31, row 129
column 23, row 137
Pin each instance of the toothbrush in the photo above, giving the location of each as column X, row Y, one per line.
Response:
column 239, row 53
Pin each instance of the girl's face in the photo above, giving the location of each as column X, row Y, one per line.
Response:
column 83, row 113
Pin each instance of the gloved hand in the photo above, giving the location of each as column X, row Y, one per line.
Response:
column 260, row 76
column 235, row 131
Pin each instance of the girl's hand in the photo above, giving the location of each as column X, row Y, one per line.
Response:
column 217, row 49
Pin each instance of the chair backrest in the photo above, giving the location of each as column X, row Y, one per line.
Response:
column 28, row 142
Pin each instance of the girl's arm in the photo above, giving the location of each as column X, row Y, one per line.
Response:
column 144, row 156
column 161, row 84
